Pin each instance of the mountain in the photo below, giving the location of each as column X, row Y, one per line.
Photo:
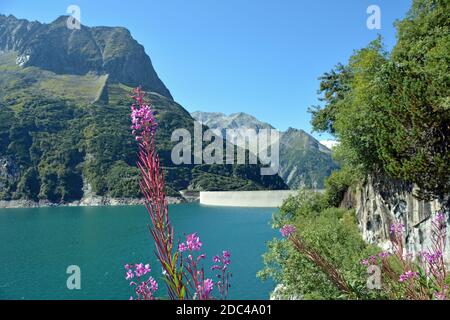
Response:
column 304, row 161
column 64, row 117
column 100, row 50
column 215, row 120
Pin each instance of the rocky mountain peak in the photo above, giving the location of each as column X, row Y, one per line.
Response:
column 98, row 50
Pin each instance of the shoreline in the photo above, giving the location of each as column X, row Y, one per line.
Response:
column 89, row 202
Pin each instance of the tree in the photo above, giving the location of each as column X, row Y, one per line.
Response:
column 392, row 112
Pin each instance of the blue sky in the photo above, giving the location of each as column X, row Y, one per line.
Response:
column 262, row 57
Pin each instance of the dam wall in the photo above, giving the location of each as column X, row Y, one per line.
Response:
column 255, row 199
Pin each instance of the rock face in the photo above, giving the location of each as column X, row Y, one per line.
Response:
column 380, row 202
column 100, row 50
column 9, row 172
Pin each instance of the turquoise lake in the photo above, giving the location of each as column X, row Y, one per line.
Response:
column 37, row 245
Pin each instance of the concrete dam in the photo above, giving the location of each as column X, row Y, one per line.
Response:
column 255, row 199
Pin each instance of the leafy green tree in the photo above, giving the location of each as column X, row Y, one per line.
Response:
column 414, row 124
column 391, row 112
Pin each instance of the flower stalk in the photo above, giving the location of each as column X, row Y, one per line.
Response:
column 184, row 277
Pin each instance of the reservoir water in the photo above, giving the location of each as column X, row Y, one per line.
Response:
column 37, row 245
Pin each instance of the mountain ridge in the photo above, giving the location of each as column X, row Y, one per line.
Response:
column 304, row 161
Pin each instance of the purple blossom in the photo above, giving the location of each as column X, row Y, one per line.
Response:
column 153, row 284
column 143, row 122
column 226, row 258
column 129, row 275
column 397, row 229
column 206, row 287
column 216, row 259
column 372, row 260
column 430, row 257
column 193, row 242
column 440, row 296
column 142, row 270
column 287, row 230
column 440, row 218
column 384, row 254
column 408, row 275
column 145, row 289
column 182, row 247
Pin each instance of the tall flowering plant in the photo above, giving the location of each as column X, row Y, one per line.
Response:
column 184, row 276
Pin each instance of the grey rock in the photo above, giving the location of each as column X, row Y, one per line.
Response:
column 9, row 171
column 380, row 201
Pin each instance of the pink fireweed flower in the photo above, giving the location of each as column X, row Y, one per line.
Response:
column 384, row 254
column 431, row 257
column 226, row 258
column 287, row 230
column 440, row 296
column 129, row 275
column 408, row 275
column 365, row 262
column 152, row 186
column 206, row 288
column 193, row 242
column 143, row 290
column 216, row 259
column 440, row 218
column 143, row 122
column 182, row 247
column 397, row 229
column 142, row 270
column 153, row 285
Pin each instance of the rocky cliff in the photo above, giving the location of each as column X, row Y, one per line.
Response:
column 381, row 201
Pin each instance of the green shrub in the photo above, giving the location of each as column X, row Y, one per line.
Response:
column 334, row 234
column 337, row 184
